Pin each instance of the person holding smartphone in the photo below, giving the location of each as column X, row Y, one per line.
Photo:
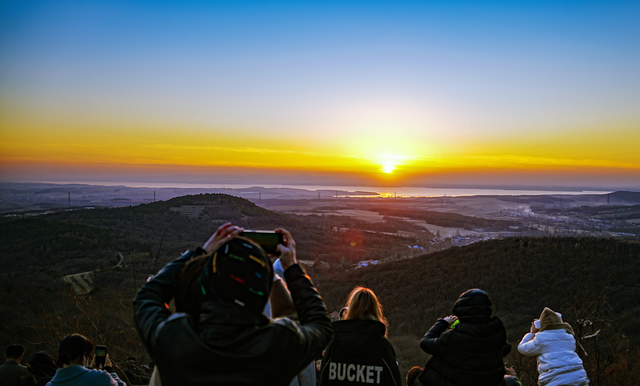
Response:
column 219, row 334
column 467, row 347
column 73, row 356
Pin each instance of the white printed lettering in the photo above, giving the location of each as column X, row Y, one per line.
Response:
column 355, row 373
column 350, row 375
column 379, row 371
column 343, row 373
column 360, row 376
column 369, row 374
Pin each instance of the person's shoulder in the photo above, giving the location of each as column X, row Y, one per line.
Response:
column 95, row 375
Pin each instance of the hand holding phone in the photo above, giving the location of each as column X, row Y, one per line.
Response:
column 268, row 240
column 101, row 356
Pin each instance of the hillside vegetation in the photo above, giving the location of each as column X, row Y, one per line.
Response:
column 595, row 281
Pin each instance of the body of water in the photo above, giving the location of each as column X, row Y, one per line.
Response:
column 341, row 191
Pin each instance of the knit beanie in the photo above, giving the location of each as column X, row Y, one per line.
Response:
column 551, row 320
column 473, row 306
column 238, row 272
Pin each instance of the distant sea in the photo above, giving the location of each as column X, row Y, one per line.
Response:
column 360, row 190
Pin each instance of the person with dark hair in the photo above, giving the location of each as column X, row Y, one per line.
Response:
column 219, row 334
column 553, row 342
column 73, row 355
column 466, row 347
column 42, row 367
column 12, row 373
column 360, row 352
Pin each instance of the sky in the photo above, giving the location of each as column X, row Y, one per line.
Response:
column 405, row 93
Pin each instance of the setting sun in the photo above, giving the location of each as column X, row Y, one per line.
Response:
column 388, row 168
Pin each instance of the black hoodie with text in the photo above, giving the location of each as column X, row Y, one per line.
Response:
column 359, row 355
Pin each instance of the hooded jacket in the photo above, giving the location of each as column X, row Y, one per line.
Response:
column 558, row 363
column 359, row 355
column 555, row 346
column 232, row 345
column 469, row 354
column 79, row 376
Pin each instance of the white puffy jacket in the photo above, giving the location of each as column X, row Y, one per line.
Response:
column 558, row 363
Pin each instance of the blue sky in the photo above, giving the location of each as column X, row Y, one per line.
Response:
column 444, row 73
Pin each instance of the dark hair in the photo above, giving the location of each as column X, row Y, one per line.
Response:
column 73, row 347
column 42, row 365
column 14, row 351
column 413, row 374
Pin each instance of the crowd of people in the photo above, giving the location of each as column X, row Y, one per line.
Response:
column 242, row 319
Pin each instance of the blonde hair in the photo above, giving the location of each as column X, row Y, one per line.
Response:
column 363, row 304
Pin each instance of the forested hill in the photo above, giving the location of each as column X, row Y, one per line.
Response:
column 76, row 241
column 593, row 282
column 588, row 280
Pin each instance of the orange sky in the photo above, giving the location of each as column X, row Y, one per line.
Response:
column 382, row 97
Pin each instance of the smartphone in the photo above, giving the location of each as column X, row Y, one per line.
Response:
column 268, row 240
column 101, row 356
column 537, row 323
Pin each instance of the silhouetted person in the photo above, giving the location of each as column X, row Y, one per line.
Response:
column 226, row 283
column 360, row 353
column 12, row 373
column 554, row 343
column 43, row 367
column 469, row 353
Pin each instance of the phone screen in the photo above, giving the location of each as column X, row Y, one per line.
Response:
column 101, row 353
column 268, row 240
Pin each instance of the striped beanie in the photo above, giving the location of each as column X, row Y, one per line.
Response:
column 238, row 272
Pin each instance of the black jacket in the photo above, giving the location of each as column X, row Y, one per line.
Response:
column 233, row 345
column 470, row 354
column 359, row 355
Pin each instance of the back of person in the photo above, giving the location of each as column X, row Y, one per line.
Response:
column 359, row 353
column 219, row 334
column 470, row 353
column 12, row 373
column 235, row 348
column 555, row 346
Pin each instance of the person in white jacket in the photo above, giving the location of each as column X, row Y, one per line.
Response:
column 553, row 341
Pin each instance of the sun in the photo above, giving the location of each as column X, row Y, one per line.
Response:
column 389, row 162
column 388, row 168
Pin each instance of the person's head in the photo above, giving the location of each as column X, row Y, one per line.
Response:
column 14, row 352
column 473, row 306
column 551, row 320
column 238, row 272
column 413, row 374
column 363, row 304
column 74, row 348
column 42, row 365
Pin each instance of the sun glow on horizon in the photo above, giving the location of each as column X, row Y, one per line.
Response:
column 390, row 162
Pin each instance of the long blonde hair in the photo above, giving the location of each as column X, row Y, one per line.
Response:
column 363, row 304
